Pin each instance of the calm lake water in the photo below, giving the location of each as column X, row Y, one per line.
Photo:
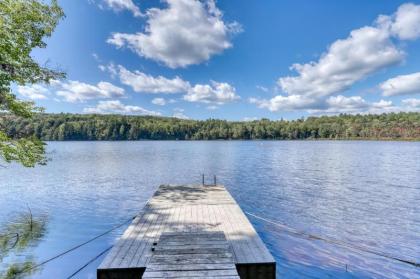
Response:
column 360, row 193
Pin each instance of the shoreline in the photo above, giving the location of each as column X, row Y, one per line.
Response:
column 238, row 140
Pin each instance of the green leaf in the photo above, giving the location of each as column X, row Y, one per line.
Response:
column 24, row 24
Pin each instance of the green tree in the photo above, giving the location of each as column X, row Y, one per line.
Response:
column 404, row 125
column 24, row 24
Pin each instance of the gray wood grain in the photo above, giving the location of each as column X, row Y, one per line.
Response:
column 166, row 264
column 196, row 210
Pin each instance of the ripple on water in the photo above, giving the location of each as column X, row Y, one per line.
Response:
column 366, row 193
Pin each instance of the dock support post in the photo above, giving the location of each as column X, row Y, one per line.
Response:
column 202, row 181
column 214, row 180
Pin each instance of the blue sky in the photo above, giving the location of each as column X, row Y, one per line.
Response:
column 233, row 59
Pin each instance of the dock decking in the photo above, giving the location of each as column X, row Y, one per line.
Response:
column 202, row 254
column 177, row 211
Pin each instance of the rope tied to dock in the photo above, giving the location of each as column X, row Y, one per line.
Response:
column 333, row 241
column 89, row 262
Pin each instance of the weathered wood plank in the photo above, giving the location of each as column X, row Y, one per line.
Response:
column 197, row 245
column 122, row 241
column 190, row 273
column 169, row 267
column 189, row 266
column 196, row 241
column 186, row 258
column 134, row 240
column 126, row 257
column 194, row 209
column 142, row 253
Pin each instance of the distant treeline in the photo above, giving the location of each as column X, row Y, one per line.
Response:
column 121, row 127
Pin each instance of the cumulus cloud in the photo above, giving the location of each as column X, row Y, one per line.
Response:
column 76, row 91
column 342, row 103
column 287, row 103
column 401, row 85
column 366, row 50
column 33, row 92
column 412, row 103
column 355, row 105
column 179, row 113
column 159, row 101
column 120, row 5
column 115, row 106
column 216, row 93
column 185, row 32
column 346, row 61
column 405, row 23
column 144, row 83
column 71, row 91
column 331, row 105
column 382, row 104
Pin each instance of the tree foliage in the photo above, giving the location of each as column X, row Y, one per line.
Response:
column 402, row 125
column 24, row 24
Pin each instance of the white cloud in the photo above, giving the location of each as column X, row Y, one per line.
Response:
column 401, row 85
column 143, row 83
column 179, row 113
column 33, row 92
column 347, row 61
column 348, row 103
column 103, row 68
column 120, row 5
column 332, row 105
column 382, row 104
column 412, row 103
column 76, row 91
column 110, row 68
column 185, row 32
column 355, row 105
column 216, row 93
column 262, row 88
column 343, row 104
column 115, row 106
column 287, row 103
column 365, row 51
column 159, row 101
column 405, row 23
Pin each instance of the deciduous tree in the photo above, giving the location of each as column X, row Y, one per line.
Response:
column 24, row 24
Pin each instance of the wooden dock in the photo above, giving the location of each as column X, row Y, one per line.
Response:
column 191, row 231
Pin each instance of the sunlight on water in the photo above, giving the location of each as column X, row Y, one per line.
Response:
column 364, row 193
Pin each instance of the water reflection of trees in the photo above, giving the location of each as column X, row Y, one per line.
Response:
column 17, row 237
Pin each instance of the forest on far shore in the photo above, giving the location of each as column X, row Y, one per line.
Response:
column 64, row 126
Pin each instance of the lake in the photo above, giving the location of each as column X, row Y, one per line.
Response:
column 360, row 193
